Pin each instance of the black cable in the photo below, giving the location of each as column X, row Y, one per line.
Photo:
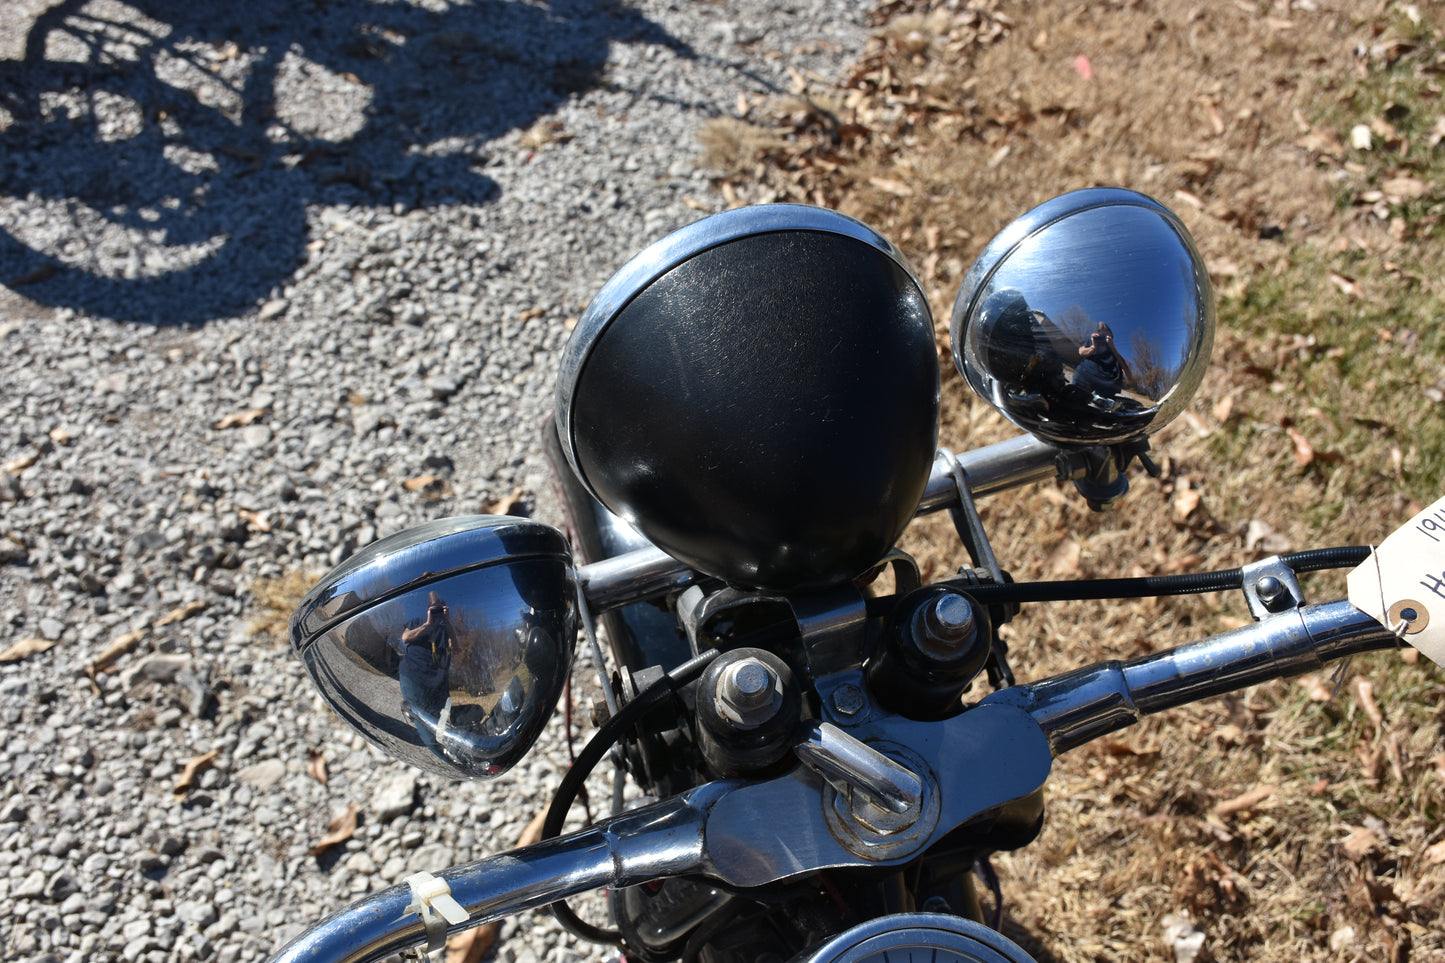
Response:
column 633, row 712
column 596, row 749
column 1191, row 583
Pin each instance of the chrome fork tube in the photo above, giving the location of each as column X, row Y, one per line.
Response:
column 1083, row 705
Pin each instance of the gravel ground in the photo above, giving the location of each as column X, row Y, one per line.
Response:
column 264, row 263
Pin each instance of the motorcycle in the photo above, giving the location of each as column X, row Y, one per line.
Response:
column 746, row 423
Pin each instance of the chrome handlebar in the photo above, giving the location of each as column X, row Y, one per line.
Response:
column 1011, row 736
column 1079, row 706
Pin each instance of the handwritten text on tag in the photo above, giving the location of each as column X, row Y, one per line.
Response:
column 1402, row 585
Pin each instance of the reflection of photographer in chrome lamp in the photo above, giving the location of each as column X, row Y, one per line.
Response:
column 425, row 660
column 1101, row 368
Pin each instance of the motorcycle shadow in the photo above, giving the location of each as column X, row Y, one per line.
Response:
column 160, row 156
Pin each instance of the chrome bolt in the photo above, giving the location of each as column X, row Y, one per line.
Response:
column 748, row 693
column 944, row 625
column 1269, row 589
column 848, row 699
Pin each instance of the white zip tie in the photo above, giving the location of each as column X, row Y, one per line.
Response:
column 432, row 900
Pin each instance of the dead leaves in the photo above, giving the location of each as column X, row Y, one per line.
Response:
column 1208, row 884
column 17, row 465
column 24, row 648
column 123, row 643
column 428, row 486
column 1361, row 843
column 1303, row 451
column 126, row 642
column 469, row 946
column 1347, row 286
column 193, row 768
column 239, row 419
column 1245, row 802
column 510, row 505
column 181, row 613
column 341, row 828
column 316, row 766
column 1186, row 500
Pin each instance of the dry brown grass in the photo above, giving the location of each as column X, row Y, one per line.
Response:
column 1237, row 115
column 271, row 602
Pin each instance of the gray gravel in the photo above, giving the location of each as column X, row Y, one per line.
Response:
column 361, row 230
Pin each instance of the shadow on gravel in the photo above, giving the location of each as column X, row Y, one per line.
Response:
column 157, row 156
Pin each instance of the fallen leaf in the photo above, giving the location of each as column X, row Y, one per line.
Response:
column 533, row 832
column 339, row 830
column 239, row 419
column 1224, row 408
column 419, row 482
column 471, row 945
column 896, row 188
column 44, row 272
column 1186, row 500
column 1361, row 843
column 180, row 613
column 1372, row 762
column 1437, row 133
column 1245, row 801
column 1261, row 535
column 1349, row 286
column 256, row 520
column 1304, row 452
column 1193, row 200
column 1216, row 122
column 24, row 648
column 1365, row 690
column 1405, row 188
column 121, row 645
column 17, row 465
column 192, row 769
column 316, row 766
column 508, row 505
column 1396, row 757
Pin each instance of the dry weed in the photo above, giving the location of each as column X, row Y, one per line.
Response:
column 1287, row 823
column 273, row 600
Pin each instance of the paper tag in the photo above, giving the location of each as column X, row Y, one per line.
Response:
column 1402, row 584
